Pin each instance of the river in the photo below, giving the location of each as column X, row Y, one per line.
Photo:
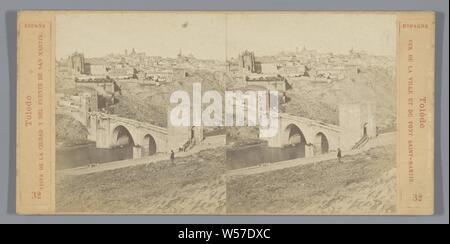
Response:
column 240, row 157
column 82, row 155
column 258, row 154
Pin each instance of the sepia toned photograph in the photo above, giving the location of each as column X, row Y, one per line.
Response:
column 225, row 113
column 334, row 148
column 116, row 150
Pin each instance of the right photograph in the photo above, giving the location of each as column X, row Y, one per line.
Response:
column 329, row 144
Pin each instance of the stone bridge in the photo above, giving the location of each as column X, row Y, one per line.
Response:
column 356, row 122
column 110, row 131
column 313, row 136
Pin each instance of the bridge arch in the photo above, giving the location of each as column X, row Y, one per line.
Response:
column 315, row 137
column 149, row 145
column 321, row 144
column 294, row 135
column 121, row 136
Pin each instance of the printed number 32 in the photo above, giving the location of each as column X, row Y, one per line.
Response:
column 417, row 197
column 36, row 195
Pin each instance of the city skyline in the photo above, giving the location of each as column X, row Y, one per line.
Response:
column 219, row 36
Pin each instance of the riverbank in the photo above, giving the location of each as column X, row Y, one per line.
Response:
column 194, row 184
column 363, row 183
column 199, row 183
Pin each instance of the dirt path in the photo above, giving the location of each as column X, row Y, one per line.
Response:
column 362, row 184
column 381, row 140
column 192, row 185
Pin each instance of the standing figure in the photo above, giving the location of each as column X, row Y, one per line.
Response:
column 339, row 155
column 172, row 156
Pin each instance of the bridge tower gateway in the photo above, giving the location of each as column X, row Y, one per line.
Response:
column 102, row 132
column 177, row 136
column 184, row 137
column 357, row 122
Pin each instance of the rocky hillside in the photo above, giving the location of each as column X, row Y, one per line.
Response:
column 150, row 103
column 320, row 101
column 69, row 131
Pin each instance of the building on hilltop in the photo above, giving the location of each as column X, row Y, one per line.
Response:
column 293, row 71
column 270, row 82
column 95, row 67
column 76, row 63
column 179, row 73
column 269, row 68
column 80, row 65
column 246, row 61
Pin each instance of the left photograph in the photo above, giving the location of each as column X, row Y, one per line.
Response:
column 116, row 151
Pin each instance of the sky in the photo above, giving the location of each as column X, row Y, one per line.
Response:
column 220, row 36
